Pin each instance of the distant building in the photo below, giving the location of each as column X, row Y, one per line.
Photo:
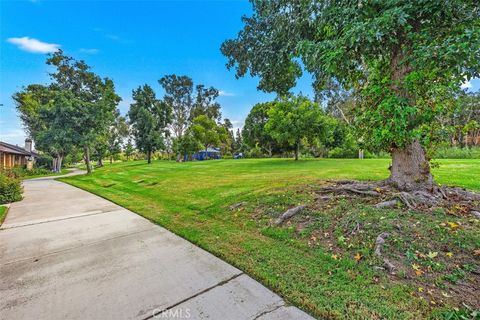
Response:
column 15, row 156
column 210, row 153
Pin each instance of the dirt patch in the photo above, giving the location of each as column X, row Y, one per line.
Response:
column 433, row 250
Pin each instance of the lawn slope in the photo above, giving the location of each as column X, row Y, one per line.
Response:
column 313, row 262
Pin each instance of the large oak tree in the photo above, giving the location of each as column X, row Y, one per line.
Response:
column 402, row 59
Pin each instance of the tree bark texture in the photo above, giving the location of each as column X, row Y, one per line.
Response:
column 86, row 150
column 410, row 169
column 149, row 156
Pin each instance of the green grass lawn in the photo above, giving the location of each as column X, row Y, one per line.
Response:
column 3, row 213
column 309, row 261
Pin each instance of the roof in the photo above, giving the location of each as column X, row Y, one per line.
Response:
column 10, row 148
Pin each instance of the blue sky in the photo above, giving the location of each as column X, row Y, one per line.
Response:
column 132, row 42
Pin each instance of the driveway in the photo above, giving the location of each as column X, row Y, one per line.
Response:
column 68, row 254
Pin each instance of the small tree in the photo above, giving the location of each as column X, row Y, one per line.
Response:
column 292, row 120
column 129, row 149
column 207, row 132
column 186, row 145
column 117, row 133
column 149, row 119
column 254, row 133
column 238, row 144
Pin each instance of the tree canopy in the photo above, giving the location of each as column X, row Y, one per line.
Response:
column 149, row 119
column 73, row 110
column 295, row 119
column 207, row 132
column 254, row 133
column 185, row 104
column 403, row 61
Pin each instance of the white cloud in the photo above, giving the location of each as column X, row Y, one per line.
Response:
column 237, row 124
column 112, row 37
column 223, row 93
column 34, row 45
column 14, row 136
column 89, row 51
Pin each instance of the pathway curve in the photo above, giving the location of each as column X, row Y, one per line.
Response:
column 68, row 254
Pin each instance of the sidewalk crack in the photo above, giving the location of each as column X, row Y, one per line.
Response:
column 269, row 311
column 221, row 283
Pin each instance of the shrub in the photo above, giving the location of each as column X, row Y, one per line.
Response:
column 10, row 189
column 457, row 153
column 255, row 153
column 44, row 161
column 378, row 155
column 19, row 172
column 340, row 152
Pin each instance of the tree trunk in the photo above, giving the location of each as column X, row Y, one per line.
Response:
column 410, row 169
column 86, row 151
column 59, row 163
column 270, row 151
column 297, row 150
column 111, row 159
column 54, row 164
column 149, row 156
column 360, row 154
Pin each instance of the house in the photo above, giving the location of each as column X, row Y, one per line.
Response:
column 210, row 153
column 15, row 156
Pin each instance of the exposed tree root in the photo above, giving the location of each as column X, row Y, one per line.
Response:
column 476, row 214
column 355, row 229
column 289, row 214
column 424, row 199
column 387, row 204
column 379, row 242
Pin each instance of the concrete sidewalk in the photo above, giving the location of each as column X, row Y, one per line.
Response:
column 68, row 254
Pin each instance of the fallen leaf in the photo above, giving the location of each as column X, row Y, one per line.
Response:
column 449, row 254
column 432, row 255
column 453, row 225
column 334, row 257
column 418, row 270
column 446, row 295
column 420, row 255
column 358, row 257
column 420, row 289
column 416, row 266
